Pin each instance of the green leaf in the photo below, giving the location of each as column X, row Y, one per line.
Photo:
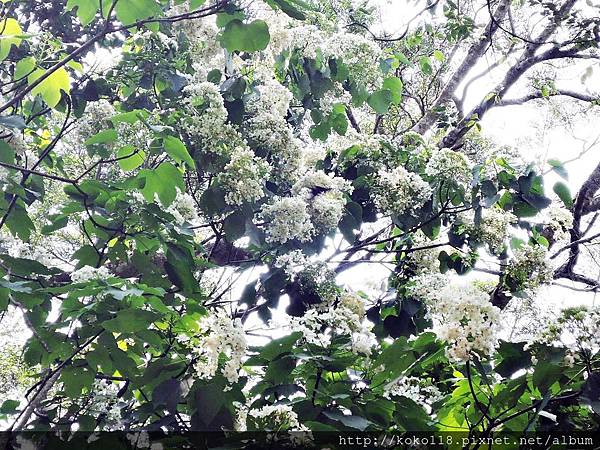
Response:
column 167, row 393
column 563, row 192
column 279, row 346
column 10, row 30
column 132, row 158
column 130, row 321
column 356, row 422
column 177, row 150
column 102, row 137
column 130, row 11
column 75, row 379
column 170, row 178
column 129, row 116
column 86, row 255
column 9, row 406
column 545, row 375
column 523, row 209
column 25, row 266
column 250, row 37
column 225, row 17
column 208, row 401
column 591, row 392
column 339, row 122
column 4, row 298
column 513, row 359
column 403, row 59
column 179, row 267
column 19, row 223
column 380, row 101
column 24, row 67
column 212, row 200
column 16, row 122
column 162, row 181
column 50, row 89
column 214, row 76
column 99, row 357
column 432, row 228
column 289, row 7
column 395, row 86
column 439, row 55
column 234, row 225
column 195, row 4
column 396, row 358
column 425, row 65
column 559, row 168
column 16, row 286
column 86, row 9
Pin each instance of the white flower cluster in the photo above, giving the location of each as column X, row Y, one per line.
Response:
column 344, row 318
column 418, row 390
column 449, row 166
column 423, row 259
column 145, row 38
column 202, row 34
column 276, row 418
column 8, row 176
column 206, row 118
column 369, row 144
column 493, row 228
column 141, row 439
column 223, row 336
column 560, row 221
column 464, row 317
column 319, row 179
column 529, row 268
column 16, row 142
column 481, row 150
column 427, row 287
column 104, row 402
column 271, row 96
column 268, row 129
column 325, row 208
column 87, row 273
column 287, row 218
column 577, row 329
column 243, row 177
column 357, row 52
column 400, row 192
column 280, row 29
column 318, row 278
column 310, row 325
column 292, row 262
column 183, row 208
column 96, row 117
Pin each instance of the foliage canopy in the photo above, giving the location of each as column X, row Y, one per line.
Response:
column 177, row 174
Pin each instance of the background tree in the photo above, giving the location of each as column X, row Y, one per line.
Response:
column 176, row 175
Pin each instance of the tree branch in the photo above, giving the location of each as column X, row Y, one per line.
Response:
column 527, row 60
column 473, row 54
column 539, row 95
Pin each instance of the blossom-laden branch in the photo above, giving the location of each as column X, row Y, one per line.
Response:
column 108, row 30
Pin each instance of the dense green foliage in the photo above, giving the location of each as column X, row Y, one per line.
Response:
column 176, row 176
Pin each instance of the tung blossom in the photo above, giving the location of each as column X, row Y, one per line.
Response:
column 222, row 336
column 465, row 318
